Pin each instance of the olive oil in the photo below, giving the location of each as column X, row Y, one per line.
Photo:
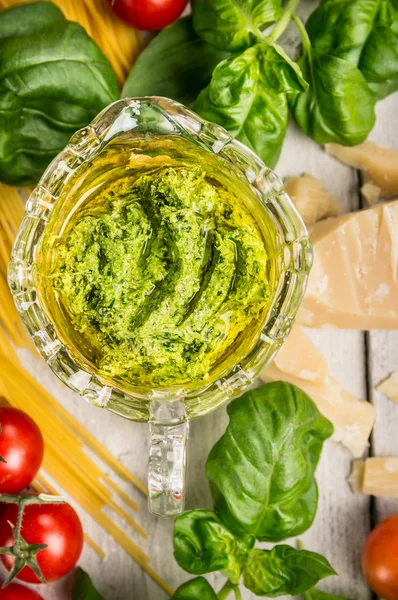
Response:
column 158, row 265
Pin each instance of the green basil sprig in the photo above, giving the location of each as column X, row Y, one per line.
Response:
column 261, row 474
column 53, row 80
column 339, row 106
column 248, row 96
column 234, row 25
column 349, row 61
column 176, row 64
column 263, row 483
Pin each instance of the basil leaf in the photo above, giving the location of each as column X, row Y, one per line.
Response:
column 314, row 594
column 196, row 589
column 53, row 80
column 83, row 588
column 379, row 61
column 248, row 96
column 27, row 19
column 365, row 33
column 291, row 516
column 202, row 544
column 338, row 106
column 284, row 570
column 234, row 25
column 263, row 483
column 176, row 64
column 342, row 28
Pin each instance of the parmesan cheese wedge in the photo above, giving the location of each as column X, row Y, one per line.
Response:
column 375, row 476
column 311, row 199
column 380, row 164
column 389, row 387
column 354, row 279
column 299, row 362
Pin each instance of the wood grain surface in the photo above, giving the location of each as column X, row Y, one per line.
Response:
column 357, row 360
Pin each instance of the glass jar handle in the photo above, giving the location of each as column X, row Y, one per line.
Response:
column 169, row 430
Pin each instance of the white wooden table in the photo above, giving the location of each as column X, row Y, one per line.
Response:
column 357, row 360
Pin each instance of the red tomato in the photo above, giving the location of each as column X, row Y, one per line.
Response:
column 380, row 559
column 14, row 591
column 21, row 446
column 56, row 525
column 148, row 14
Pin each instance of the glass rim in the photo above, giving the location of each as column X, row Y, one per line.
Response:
column 123, row 117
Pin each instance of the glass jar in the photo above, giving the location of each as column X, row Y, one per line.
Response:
column 139, row 121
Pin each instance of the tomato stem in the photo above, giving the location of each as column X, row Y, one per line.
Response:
column 28, row 500
column 17, row 530
column 25, row 554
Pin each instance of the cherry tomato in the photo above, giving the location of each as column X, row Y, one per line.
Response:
column 56, row 525
column 380, row 559
column 148, row 14
column 14, row 591
column 21, row 446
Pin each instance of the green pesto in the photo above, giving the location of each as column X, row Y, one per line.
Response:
column 163, row 278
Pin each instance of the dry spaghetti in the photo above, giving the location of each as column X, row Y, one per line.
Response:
column 65, row 437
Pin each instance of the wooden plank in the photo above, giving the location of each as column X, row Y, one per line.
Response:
column 383, row 359
column 383, row 345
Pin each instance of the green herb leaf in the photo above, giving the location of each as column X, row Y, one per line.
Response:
column 83, row 588
column 248, row 96
column 365, row 33
column 234, row 25
column 196, row 589
column 176, row 64
column 24, row 20
column 202, row 544
column 379, row 61
column 53, row 80
column 262, row 470
column 314, row 594
column 284, row 570
column 342, row 28
column 338, row 106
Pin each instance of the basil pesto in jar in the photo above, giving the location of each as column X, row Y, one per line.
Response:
column 159, row 274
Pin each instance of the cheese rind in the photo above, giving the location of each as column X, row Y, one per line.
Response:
column 389, row 387
column 299, row 362
column 379, row 163
column 354, row 279
column 376, row 476
column 311, row 199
